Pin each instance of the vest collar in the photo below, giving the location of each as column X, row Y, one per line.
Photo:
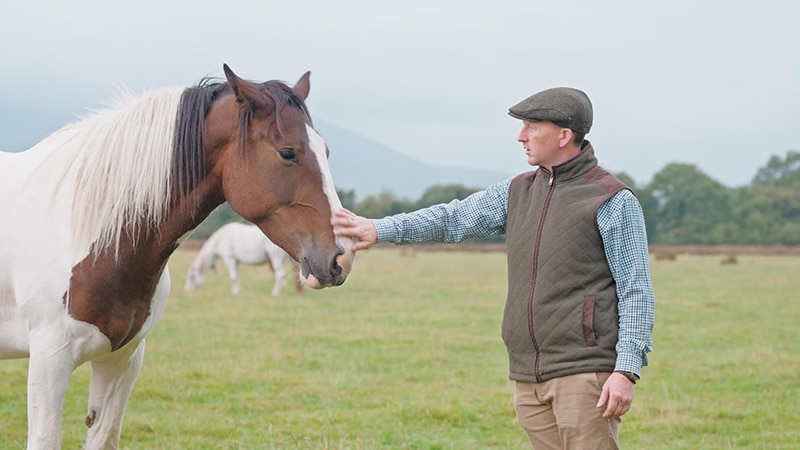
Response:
column 575, row 167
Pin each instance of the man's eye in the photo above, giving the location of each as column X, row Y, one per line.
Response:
column 288, row 154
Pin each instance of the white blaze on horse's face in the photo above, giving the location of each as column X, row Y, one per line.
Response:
column 319, row 148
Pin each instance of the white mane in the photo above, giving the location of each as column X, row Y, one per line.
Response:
column 121, row 163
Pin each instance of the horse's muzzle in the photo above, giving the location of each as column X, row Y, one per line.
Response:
column 332, row 273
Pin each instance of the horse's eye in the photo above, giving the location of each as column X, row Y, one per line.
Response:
column 288, row 154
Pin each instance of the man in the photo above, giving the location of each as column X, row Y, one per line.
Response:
column 580, row 307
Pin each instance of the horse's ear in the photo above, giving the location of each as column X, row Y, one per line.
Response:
column 303, row 86
column 247, row 93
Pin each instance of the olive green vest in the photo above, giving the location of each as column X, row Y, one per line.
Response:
column 561, row 312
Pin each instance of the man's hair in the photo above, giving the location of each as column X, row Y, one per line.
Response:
column 577, row 138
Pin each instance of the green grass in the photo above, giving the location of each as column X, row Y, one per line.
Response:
column 726, row 371
column 407, row 355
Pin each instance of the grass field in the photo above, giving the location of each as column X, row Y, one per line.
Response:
column 407, row 355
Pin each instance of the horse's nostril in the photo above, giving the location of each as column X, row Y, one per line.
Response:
column 336, row 269
column 305, row 266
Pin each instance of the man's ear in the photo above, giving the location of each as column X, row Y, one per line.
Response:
column 565, row 137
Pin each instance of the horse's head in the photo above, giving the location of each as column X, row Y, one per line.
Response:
column 194, row 279
column 274, row 171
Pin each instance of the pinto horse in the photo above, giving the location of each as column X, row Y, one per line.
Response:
column 92, row 213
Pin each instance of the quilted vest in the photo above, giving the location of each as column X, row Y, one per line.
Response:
column 561, row 313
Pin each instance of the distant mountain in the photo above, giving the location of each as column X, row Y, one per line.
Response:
column 369, row 167
column 358, row 163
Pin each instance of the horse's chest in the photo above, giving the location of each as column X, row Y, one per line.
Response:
column 115, row 296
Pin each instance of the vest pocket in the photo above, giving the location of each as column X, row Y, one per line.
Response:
column 588, row 321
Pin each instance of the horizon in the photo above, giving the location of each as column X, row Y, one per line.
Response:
column 689, row 82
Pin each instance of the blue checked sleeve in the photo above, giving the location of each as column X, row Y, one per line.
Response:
column 622, row 228
column 480, row 215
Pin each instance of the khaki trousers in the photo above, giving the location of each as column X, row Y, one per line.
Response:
column 562, row 413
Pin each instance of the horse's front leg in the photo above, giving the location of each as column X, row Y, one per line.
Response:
column 279, row 268
column 49, row 369
column 113, row 377
column 233, row 271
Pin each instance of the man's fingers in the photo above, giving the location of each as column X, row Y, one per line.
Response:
column 358, row 228
column 603, row 398
column 361, row 245
column 616, row 408
column 610, row 408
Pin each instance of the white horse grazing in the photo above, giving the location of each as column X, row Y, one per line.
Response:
column 236, row 243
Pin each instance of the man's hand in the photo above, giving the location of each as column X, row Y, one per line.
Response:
column 358, row 228
column 617, row 395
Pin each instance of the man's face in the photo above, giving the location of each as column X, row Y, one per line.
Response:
column 541, row 141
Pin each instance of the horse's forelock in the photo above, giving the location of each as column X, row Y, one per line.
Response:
column 282, row 96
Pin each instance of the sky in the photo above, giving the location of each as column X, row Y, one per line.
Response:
column 710, row 83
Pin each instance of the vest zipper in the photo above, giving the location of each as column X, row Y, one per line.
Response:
column 537, row 241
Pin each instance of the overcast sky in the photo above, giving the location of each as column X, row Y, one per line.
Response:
column 715, row 84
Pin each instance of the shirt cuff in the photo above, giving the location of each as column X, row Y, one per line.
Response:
column 385, row 230
column 630, row 362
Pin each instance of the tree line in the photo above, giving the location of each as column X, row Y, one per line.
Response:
column 681, row 204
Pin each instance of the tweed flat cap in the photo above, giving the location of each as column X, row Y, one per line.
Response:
column 566, row 107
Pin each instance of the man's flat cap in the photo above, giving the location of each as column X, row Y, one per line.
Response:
column 565, row 107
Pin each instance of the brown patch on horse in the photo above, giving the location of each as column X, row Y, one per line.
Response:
column 90, row 418
column 113, row 291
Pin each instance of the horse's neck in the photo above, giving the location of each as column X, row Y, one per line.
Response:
column 189, row 212
column 183, row 216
